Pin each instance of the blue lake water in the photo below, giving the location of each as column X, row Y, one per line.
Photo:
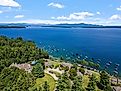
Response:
column 104, row 44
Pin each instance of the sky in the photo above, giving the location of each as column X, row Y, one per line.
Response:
column 101, row 12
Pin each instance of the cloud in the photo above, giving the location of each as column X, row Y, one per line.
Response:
column 9, row 3
column 1, row 12
column 119, row 8
column 101, row 21
column 19, row 16
column 115, row 17
column 38, row 21
column 56, row 5
column 98, row 13
column 75, row 16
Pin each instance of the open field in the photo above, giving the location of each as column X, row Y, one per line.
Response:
column 49, row 79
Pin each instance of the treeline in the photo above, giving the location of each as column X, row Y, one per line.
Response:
column 18, row 51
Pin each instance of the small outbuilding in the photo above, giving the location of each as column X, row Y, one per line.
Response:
column 34, row 63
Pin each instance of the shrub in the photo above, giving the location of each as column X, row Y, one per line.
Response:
column 82, row 70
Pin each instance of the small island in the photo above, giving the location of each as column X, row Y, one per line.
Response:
column 26, row 67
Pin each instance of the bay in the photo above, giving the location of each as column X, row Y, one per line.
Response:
column 97, row 43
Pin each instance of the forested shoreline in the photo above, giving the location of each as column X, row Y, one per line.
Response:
column 47, row 74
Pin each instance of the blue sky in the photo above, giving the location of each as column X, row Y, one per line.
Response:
column 105, row 12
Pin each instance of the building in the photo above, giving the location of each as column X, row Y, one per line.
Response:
column 34, row 62
column 27, row 67
column 48, row 65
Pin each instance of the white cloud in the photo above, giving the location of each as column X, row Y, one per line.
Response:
column 75, row 16
column 38, row 21
column 115, row 17
column 19, row 16
column 1, row 12
column 98, row 13
column 56, row 5
column 119, row 8
column 63, row 18
column 92, row 21
column 9, row 3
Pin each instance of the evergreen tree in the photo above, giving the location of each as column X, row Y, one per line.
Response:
column 14, row 79
column 73, row 72
column 77, row 84
column 46, row 86
column 38, row 71
column 105, row 81
column 92, row 84
column 64, row 83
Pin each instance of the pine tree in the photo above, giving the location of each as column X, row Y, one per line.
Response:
column 38, row 71
column 92, row 84
column 105, row 81
column 63, row 83
column 46, row 86
column 77, row 84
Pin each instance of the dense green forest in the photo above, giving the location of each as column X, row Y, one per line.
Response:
column 14, row 79
column 18, row 51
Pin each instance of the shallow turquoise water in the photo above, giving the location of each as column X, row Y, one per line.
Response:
column 104, row 44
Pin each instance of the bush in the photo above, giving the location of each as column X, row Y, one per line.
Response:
column 56, row 66
column 73, row 73
column 82, row 70
column 83, row 62
column 38, row 70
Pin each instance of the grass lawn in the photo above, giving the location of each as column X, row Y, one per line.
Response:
column 47, row 78
column 85, row 81
column 55, row 63
column 97, row 75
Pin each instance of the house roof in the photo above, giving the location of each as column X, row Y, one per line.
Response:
column 34, row 62
column 25, row 66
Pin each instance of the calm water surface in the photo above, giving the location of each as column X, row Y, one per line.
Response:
column 104, row 44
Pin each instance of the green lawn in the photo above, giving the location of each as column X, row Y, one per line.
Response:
column 85, row 81
column 55, row 63
column 97, row 75
column 49, row 79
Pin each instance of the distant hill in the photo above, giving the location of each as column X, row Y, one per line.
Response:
column 11, row 25
column 79, row 25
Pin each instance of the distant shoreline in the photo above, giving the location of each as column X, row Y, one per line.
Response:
column 12, row 26
column 81, row 27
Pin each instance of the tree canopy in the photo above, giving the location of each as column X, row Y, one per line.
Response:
column 38, row 70
column 14, row 79
column 77, row 84
column 18, row 51
column 105, row 81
